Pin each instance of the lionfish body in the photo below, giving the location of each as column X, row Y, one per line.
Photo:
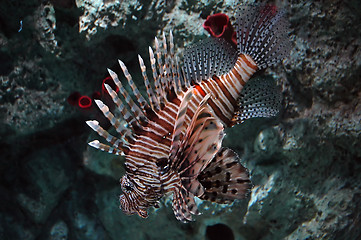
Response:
column 172, row 142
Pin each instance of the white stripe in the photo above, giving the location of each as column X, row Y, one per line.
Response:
column 146, row 150
column 222, row 96
column 240, row 71
column 224, row 112
column 236, row 82
column 230, row 88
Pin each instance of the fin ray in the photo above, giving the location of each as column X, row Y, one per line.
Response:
column 259, row 98
column 262, row 34
column 179, row 125
column 123, row 131
column 134, row 108
column 211, row 56
column 141, row 101
column 225, row 179
column 152, row 98
column 106, row 148
column 121, row 107
column 117, row 143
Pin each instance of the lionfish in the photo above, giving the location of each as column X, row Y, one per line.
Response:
column 172, row 143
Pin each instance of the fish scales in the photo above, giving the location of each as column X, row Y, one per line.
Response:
column 173, row 144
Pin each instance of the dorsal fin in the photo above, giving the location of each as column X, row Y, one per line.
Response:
column 156, row 78
column 225, row 179
column 259, row 98
column 211, row 56
column 165, row 68
column 118, row 146
column 133, row 107
column 151, row 96
column 135, row 114
column 124, row 132
column 141, row 101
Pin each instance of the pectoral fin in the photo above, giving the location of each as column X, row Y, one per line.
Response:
column 225, row 179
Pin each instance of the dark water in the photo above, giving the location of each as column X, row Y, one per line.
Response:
column 304, row 164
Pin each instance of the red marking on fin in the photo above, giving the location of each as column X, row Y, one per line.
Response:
column 200, row 90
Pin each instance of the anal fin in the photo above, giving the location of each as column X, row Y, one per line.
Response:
column 184, row 205
column 225, row 179
column 259, row 98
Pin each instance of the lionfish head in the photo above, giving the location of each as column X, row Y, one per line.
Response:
column 135, row 200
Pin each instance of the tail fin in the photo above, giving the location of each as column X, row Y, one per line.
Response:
column 262, row 34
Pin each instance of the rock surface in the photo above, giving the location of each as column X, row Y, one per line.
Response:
column 304, row 165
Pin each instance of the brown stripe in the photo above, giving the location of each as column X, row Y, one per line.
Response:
column 167, row 122
column 225, row 90
column 218, row 112
column 237, row 75
column 218, row 98
column 249, row 64
column 158, row 138
column 229, row 80
column 155, row 146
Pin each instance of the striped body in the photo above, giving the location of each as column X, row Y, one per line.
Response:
column 225, row 90
column 152, row 146
column 172, row 140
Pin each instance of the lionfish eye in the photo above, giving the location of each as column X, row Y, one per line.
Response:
column 127, row 187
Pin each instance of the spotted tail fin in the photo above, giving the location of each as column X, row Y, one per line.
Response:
column 225, row 179
column 262, row 34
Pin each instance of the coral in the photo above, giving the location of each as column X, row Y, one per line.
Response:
column 219, row 26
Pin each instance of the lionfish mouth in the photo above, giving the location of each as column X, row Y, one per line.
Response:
column 125, row 207
column 129, row 210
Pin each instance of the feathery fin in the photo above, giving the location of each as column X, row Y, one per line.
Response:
column 142, row 103
column 151, row 96
column 180, row 207
column 262, row 34
column 198, row 146
column 93, row 124
column 179, row 125
column 123, row 131
column 225, row 179
column 259, row 98
column 106, row 148
column 133, row 107
column 121, row 107
column 211, row 56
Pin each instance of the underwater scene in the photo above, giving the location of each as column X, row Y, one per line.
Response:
column 180, row 119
